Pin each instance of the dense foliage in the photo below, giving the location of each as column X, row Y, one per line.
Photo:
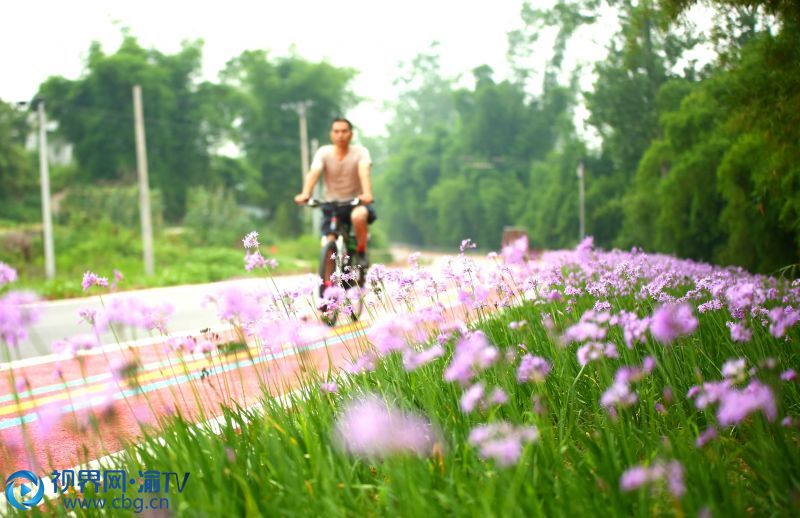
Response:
column 695, row 160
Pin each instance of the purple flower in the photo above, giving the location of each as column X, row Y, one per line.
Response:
column 633, row 374
column 471, row 398
column 555, row 296
column 370, row 427
column 618, row 394
column 744, row 295
column 602, row 305
column 254, row 260
column 7, row 274
column 789, row 375
column 16, row 314
column 413, row 360
column 711, row 392
column 517, row 324
column 583, row 331
column 329, row 387
column 90, row 279
column 251, row 240
column 585, row 246
column 670, row 473
column 365, row 363
column 294, row 333
column 497, row 397
column 473, row 354
column 634, row 478
column 185, row 344
column 671, row 321
column 502, row 441
column 233, row 304
column 515, row 252
column 388, row 333
column 711, row 305
column 156, row 317
column 739, row 332
column 596, row 351
column 782, row 319
column 736, row 405
column 735, row 370
column 117, row 278
column 706, row 437
column 532, row 368
column 466, row 244
column 70, row 347
column 633, row 328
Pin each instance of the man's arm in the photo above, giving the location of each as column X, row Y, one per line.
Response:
column 365, row 176
column 311, row 178
column 308, row 185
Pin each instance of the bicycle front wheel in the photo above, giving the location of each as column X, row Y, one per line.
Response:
column 327, row 267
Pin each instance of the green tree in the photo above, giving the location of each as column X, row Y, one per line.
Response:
column 268, row 130
column 17, row 175
column 425, row 102
column 95, row 114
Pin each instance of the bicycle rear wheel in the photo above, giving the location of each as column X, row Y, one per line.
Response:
column 327, row 267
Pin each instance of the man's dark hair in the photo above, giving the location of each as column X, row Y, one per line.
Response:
column 342, row 119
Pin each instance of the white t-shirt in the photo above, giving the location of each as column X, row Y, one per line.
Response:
column 340, row 177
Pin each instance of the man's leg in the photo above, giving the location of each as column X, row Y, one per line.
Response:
column 359, row 217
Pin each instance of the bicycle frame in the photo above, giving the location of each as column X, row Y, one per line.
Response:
column 343, row 256
column 342, row 233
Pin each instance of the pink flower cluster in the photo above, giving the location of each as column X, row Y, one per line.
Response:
column 370, row 427
column 502, row 441
column 669, row 472
column 7, row 274
column 735, row 404
column 473, row 354
column 16, row 314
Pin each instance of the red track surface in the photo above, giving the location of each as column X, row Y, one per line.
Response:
column 72, row 440
column 106, row 423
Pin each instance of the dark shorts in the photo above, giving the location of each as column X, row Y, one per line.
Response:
column 343, row 214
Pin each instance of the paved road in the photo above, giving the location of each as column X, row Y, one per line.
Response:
column 46, row 405
column 60, row 319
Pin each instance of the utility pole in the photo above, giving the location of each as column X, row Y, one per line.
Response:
column 47, row 220
column 144, row 188
column 301, row 108
column 316, row 216
column 582, row 202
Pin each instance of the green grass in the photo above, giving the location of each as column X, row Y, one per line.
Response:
column 108, row 247
column 282, row 461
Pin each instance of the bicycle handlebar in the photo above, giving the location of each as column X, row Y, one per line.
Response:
column 313, row 202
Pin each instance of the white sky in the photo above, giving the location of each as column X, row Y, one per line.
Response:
column 42, row 38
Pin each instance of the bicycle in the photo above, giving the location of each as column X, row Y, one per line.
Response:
column 337, row 268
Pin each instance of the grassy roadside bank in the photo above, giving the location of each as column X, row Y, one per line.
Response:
column 608, row 384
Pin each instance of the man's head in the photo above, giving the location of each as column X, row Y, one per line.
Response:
column 341, row 132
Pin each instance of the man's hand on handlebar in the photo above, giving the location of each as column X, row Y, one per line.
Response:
column 366, row 199
column 301, row 199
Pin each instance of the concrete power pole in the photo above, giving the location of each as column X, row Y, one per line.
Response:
column 302, row 110
column 582, row 202
column 47, row 220
column 316, row 215
column 144, row 188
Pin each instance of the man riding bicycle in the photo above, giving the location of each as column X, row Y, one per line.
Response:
column 346, row 171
